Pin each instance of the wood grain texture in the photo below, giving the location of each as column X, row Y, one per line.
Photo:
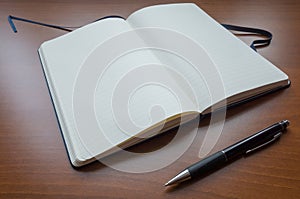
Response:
column 34, row 162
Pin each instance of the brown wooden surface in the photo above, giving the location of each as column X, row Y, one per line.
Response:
column 34, row 162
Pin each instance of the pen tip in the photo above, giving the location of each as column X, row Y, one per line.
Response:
column 167, row 184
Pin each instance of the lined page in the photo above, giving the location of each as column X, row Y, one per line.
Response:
column 62, row 59
column 118, row 96
column 239, row 67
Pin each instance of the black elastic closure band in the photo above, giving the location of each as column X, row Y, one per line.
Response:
column 110, row 16
column 65, row 28
column 254, row 44
column 12, row 25
column 261, row 42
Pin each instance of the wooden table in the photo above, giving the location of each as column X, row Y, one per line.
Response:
column 34, row 162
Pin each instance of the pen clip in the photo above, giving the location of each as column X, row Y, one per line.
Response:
column 277, row 136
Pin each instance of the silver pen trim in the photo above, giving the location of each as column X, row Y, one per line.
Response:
column 225, row 155
column 182, row 176
column 277, row 136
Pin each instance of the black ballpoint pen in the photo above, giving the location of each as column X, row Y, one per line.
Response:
column 235, row 151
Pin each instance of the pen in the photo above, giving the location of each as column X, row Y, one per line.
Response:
column 235, row 151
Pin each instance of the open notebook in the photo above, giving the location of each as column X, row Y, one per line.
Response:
column 115, row 82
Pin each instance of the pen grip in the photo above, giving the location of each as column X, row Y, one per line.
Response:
column 207, row 165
